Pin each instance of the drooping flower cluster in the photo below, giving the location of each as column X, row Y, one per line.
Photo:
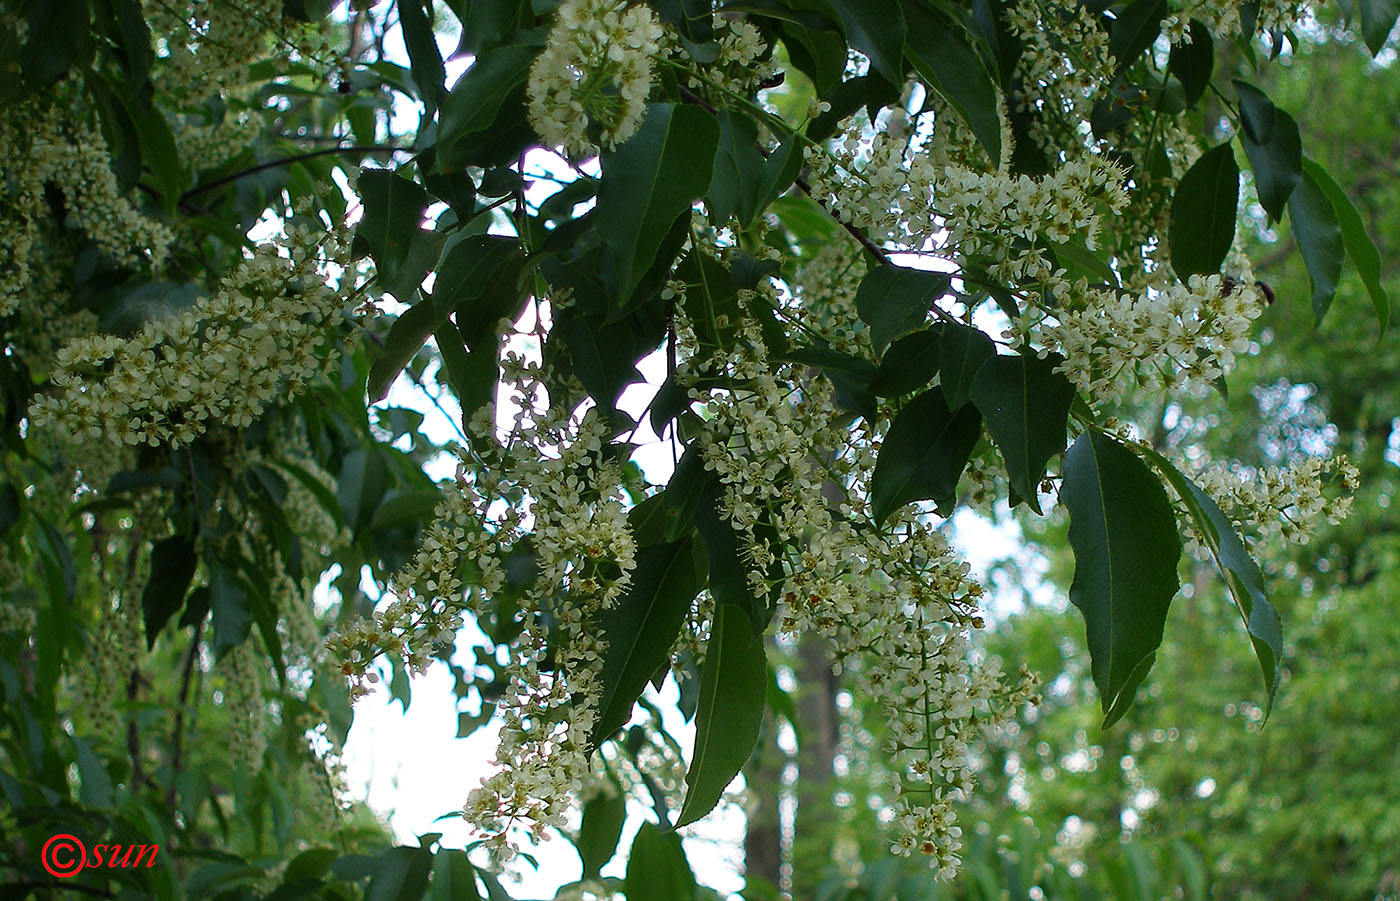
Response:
column 45, row 140
column 262, row 336
column 588, row 89
column 1182, row 337
column 1064, row 65
column 1283, row 503
column 208, row 45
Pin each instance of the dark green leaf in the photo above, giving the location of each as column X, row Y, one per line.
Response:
column 1135, row 29
column 869, row 91
column 639, row 630
column 657, row 868
column 1359, row 245
column 476, row 99
column 910, row 363
column 1123, row 534
column 477, row 278
column 59, row 37
column 923, row 453
column 1025, row 403
column 779, row 171
column 1203, row 213
column 1193, row 63
column 733, row 682
column 876, row 28
column 486, row 23
column 400, row 875
column 472, row 376
column 361, row 485
column 1237, row 568
column 961, row 352
column 172, row 567
column 389, row 229
column 850, row 376
column 603, row 818
column 9, row 507
column 738, row 169
column 1273, row 146
column 428, row 71
column 682, row 494
column 1319, row 237
column 228, row 599
column 95, row 787
column 1377, row 20
column 946, row 62
column 594, row 351
column 649, row 181
column 729, row 573
column 894, row 301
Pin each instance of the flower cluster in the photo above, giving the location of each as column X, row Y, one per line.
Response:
column 1064, row 65
column 589, row 87
column 208, row 44
column 243, row 671
column 1180, row 337
column 262, row 336
column 1291, row 504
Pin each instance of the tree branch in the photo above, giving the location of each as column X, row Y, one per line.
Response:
column 286, row 161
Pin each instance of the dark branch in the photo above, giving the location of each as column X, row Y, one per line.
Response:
column 286, row 161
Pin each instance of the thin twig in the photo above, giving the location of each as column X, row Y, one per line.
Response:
column 287, row 161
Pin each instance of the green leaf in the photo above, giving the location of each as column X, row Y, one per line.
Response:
column 59, row 37
column 923, row 454
column 593, row 348
column 1319, row 237
column 1273, row 146
column 657, row 868
column 961, row 352
column 948, row 64
column 400, row 875
column 876, row 28
column 472, row 376
column 1126, row 548
column 1193, row 63
column 909, row 364
column 1203, row 213
column 1079, row 260
column 738, row 170
column 1377, row 20
column 1362, row 250
column 1237, row 568
column 1025, row 404
column 682, row 494
column 1134, row 30
column 649, row 181
column 639, row 630
column 733, row 682
column 228, row 599
column 478, row 278
column 486, row 23
column 389, row 228
column 454, row 877
column 172, row 567
column 894, row 301
column 360, row 487
column 429, row 73
column 476, row 99
column 779, row 171
column 603, row 818
column 850, row 376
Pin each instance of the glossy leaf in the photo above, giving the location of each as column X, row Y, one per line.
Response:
column 429, row 74
column 733, row 683
column 729, row 580
column 1193, row 63
column 894, row 300
column 1134, row 30
column 1319, row 237
column 360, row 487
column 909, row 364
column 876, row 28
column 231, row 606
column 1025, row 404
column 454, row 877
column 401, row 875
column 961, row 353
column 58, row 37
column 738, row 169
column 1203, row 213
column 923, row 454
column 603, row 818
column 1358, row 243
column 475, row 101
column 639, row 630
column 948, row 64
column 1123, row 534
column 1237, row 568
column 1273, row 146
column 173, row 563
column 682, row 494
column 657, row 868
column 649, row 181
column 1377, row 21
